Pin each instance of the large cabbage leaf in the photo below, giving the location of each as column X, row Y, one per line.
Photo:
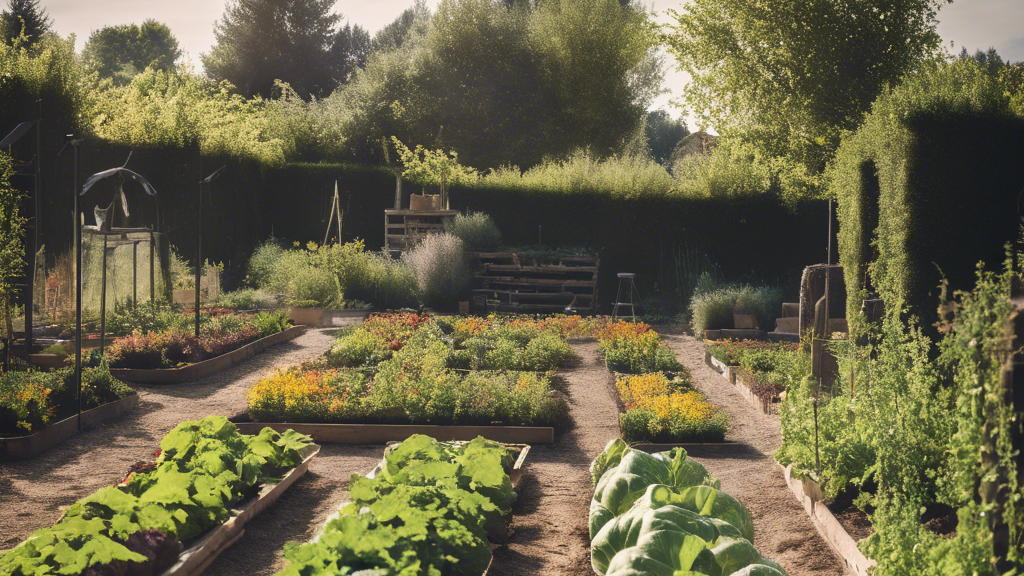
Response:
column 663, row 553
column 608, row 458
column 735, row 555
column 626, row 530
column 706, row 501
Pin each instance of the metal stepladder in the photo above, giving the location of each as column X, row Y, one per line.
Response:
column 628, row 279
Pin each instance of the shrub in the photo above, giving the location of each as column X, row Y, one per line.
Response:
column 713, row 310
column 268, row 323
column 476, row 230
column 360, row 347
column 440, row 268
column 137, row 350
column 32, row 400
column 314, row 288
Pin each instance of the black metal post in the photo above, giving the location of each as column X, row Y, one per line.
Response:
column 199, row 243
column 135, row 274
column 78, row 286
column 152, row 269
column 103, row 297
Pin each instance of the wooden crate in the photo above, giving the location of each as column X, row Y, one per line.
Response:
column 404, row 229
column 515, row 282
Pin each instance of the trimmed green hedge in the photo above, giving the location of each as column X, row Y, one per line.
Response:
column 929, row 186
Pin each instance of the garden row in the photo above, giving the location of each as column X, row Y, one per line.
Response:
column 428, row 508
column 911, row 440
column 663, row 514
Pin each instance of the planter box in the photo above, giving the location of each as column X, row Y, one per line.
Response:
column 205, row 550
column 712, row 334
column 28, row 447
column 327, row 317
column 384, row 433
column 515, row 477
column 206, row 367
column 745, row 322
column 306, row 316
column 424, row 202
column 809, row 494
column 727, row 372
column 48, row 360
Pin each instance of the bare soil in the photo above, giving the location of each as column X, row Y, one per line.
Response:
column 783, row 532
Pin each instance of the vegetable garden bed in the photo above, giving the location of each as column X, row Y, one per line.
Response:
column 384, row 433
column 206, row 367
column 32, row 445
column 428, row 507
column 197, row 557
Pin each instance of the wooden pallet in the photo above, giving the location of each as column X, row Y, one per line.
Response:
column 404, row 229
column 518, row 282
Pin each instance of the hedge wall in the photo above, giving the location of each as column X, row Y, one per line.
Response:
column 753, row 239
column 930, row 185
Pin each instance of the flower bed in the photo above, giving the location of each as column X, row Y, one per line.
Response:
column 664, row 409
column 664, row 514
column 406, row 368
column 30, row 401
column 178, row 347
column 429, row 508
column 202, row 471
column 633, row 348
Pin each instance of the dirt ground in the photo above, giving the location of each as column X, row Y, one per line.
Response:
column 783, row 532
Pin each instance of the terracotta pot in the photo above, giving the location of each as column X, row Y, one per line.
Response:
column 424, row 202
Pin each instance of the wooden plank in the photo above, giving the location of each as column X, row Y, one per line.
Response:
column 206, row 367
column 540, row 295
column 32, row 445
column 384, row 433
column 535, row 281
column 539, row 269
column 406, row 212
column 526, row 307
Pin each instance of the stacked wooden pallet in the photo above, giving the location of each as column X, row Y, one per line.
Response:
column 515, row 282
column 404, row 229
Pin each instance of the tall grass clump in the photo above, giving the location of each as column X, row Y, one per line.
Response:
column 713, row 309
column 441, row 273
column 728, row 171
column 628, row 176
column 476, row 230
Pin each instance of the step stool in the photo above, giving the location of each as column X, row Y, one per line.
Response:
column 627, row 279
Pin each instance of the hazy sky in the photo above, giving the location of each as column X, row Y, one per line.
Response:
column 974, row 24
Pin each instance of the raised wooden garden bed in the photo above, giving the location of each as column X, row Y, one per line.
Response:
column 209, row 546
column 514, row 282
column 809, row 494
column 384, row 433
column 404, row 229
column 327, row 316
column 206, row 367
column 32, row 445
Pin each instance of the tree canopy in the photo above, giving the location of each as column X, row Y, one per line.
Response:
column 121, row 52
column 24, row 17
column 791, row 76
column 260, row 41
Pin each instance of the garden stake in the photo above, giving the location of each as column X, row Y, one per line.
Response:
column 103, row 296
column 199, row 242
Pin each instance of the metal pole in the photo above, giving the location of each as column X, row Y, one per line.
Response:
column 152, row 269
column 78, row 287
column 199, row 243
column 103, row 296
column 135, row 274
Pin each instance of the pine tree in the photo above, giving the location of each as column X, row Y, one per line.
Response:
column 260, row 41
column 24, row 16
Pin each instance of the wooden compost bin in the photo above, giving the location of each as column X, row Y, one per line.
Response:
column 404, row 229
column 514, row 282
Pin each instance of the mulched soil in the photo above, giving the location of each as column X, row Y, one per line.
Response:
column 783, row 532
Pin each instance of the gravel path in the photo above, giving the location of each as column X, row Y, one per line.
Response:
column 783, row 532
column 551, row 535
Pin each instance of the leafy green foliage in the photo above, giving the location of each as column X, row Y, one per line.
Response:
column 122, row 51
column 12, row 246
column 780, row 77
column 29, row 401
column 714, row 309
column 204, row 467
column 476, row 230
column 426, row 511
column 24, row 18
column 251, row 52
column 662, row 514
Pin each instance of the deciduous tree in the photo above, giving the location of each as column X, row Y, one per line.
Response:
column 120, row 52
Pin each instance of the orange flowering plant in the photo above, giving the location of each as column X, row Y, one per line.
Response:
column 660, row 409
